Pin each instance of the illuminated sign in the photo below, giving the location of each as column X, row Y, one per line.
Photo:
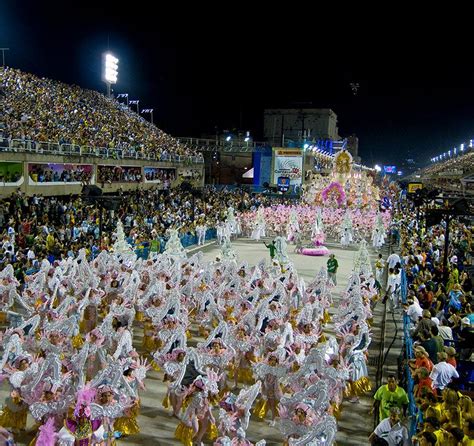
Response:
column 287, row 163
column 413, row 187
column 390, row 169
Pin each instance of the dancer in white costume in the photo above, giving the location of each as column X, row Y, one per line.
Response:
column 281, row 254
column 293, row 226
column 227, row 251
column 378, row 234
column 231, row 222
column 346, row 230
column 121, row 246
column 201, row 233
column 173, row 246
column 220, row 232
column 259, row 226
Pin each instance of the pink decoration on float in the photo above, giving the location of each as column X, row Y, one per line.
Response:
column 336, row 191
column 319, row 251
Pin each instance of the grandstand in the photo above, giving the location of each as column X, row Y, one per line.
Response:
column 453, row 174
column 70, row 117
column 55, row 137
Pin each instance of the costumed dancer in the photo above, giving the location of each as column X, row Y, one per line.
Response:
column 358, row 345
column 198, row 416
column 293, row 226
column 270, row 371
column 379, row 270
column 346, row 230
column 201, row 229
column 234, row 415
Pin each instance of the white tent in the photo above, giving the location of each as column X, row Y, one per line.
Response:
column 248, row 174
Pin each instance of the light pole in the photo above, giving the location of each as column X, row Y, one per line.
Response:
column 150, row 111
column 3, row 55
column 247, row 139
column 135, row 102
column 123, row 95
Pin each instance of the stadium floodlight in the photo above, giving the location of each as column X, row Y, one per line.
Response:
column 110, row 70
column 377, row 168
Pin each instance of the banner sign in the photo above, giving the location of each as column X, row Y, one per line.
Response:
column 283, row 184
column 413, row 187
column 287, row 163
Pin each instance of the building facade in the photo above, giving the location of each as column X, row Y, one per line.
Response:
column 285, row 125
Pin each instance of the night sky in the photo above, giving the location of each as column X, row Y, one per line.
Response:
column 221, row 66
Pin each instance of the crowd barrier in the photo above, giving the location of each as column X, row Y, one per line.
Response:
column 414, row 414
column 64, row 149
column 143, row 251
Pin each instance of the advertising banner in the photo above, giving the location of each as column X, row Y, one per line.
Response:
column 413, row 187
column 287, row 163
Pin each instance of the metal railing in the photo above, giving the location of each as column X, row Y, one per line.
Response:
column 408, row 354
column 65, row 149
column 219, row 145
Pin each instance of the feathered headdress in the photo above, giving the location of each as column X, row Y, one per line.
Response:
column 85, row 397
column 47, row 434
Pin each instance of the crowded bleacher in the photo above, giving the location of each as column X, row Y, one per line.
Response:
column 459, row 165
column 39, row 110
column 439, row 329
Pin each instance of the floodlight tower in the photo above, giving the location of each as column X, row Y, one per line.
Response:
column 110, row 71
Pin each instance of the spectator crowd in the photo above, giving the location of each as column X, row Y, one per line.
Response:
column 42, row 110
column 67, row 173
column 447, row 174
column 440, row 322
column 36, row 228
column 119, row 174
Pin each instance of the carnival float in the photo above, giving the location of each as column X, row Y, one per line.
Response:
column 345, row 205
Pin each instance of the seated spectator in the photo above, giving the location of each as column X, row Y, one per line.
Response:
column 413, row 310
column 435, row 335
column 467, row 410
column 455, row 297
column 468, row 428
